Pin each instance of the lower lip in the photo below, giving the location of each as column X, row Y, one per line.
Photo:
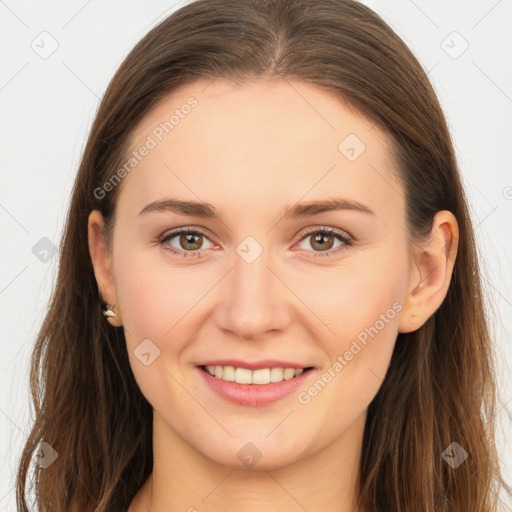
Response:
column 254, row 395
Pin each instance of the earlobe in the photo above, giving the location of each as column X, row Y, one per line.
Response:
column 434, row 261
column 102, row 264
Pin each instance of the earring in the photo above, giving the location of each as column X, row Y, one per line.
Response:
column 109, row 311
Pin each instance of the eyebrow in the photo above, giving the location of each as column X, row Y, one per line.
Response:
column 299, row 210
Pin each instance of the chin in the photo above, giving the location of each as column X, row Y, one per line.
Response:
column 254, row 455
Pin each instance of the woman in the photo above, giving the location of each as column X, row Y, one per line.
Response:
column 268, row 292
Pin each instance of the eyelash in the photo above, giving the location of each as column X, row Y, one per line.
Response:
column 337, row 233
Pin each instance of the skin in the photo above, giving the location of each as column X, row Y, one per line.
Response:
column 251, row 151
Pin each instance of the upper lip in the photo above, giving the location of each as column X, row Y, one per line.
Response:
column 255, row 365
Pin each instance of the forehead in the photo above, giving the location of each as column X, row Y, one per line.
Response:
column 249, row 144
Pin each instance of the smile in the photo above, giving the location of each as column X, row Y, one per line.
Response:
column 245, row 376
column 254, row 388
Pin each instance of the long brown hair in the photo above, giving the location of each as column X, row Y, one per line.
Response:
column 440, row 385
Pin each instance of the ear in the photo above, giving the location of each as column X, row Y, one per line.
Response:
column 102, row 264
column 433, row 263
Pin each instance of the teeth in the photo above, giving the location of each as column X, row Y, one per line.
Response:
column 261, row 376
column 288, row 374
column 276, row 374
column 228, row 373
column 246, row 376
column 243, row 376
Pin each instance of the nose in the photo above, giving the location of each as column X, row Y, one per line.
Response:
column 254, row 299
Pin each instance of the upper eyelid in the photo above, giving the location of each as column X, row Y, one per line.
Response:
column 327, row 229
column 177, row 231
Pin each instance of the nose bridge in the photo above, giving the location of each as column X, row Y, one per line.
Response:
column 252, row 302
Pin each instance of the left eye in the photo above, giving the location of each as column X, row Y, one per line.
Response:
column 190, row 241
column 324, row 239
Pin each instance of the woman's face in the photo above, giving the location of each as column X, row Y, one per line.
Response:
column 257, row 285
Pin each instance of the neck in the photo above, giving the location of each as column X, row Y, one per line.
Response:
column 184, row 480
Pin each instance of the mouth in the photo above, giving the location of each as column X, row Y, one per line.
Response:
column 254, row 388
column 260, row 377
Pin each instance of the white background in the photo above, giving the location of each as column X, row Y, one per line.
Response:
column 47, row 106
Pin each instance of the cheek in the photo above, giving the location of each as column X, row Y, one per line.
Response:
column 352, row 297
column 361, row 308
column 154, row 300
column 154, row 296
column 160, row 303
column 359, row 356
